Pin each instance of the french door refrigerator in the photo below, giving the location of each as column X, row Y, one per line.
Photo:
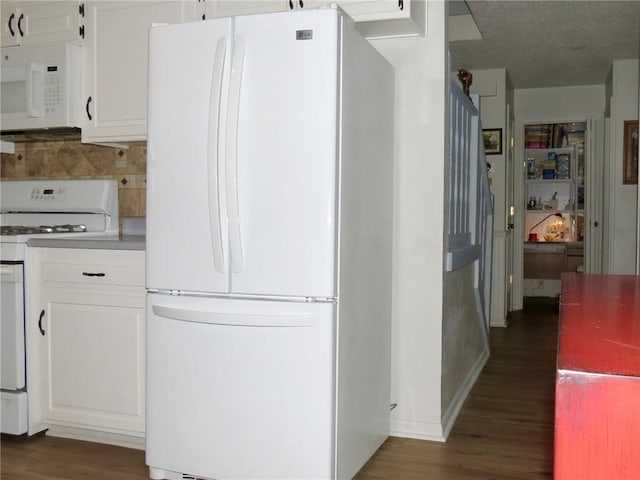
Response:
column 269, row 199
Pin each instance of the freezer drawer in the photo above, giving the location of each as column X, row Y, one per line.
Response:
column 240, row 388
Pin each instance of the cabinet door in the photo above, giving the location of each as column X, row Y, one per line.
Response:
column 49, row 22
column 116, row 46
column 31, row 23
column 93, row 365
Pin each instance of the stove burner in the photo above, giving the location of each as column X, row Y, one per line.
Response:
column 40, row 230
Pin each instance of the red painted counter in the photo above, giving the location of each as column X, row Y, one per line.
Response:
column 597, row 413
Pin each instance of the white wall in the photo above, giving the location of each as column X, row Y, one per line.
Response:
column 421, row 129
column 559, row 104
column 623, row 199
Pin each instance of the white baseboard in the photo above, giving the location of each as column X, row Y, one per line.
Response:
column 438, row 432
column 499, row 322
column 119, row 440
column 449, row 418
column 417, row 430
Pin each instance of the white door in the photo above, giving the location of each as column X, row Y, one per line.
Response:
column 594, row 192
column 287, row 155
column 240, row 388
column 185, row 245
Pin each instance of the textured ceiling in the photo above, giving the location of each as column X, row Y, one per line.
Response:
column 550, row 43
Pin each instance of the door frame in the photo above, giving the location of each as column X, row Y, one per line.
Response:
column 518, row 199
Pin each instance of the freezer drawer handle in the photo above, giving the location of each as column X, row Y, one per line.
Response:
column 92, row 274
column 229, row 319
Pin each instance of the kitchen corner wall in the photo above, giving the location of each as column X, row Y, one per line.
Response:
column 72, row 159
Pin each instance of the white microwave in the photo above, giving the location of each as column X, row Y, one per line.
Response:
column 40, row 87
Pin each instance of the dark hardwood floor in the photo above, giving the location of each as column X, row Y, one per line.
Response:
column 505, row 428
column 504, row 431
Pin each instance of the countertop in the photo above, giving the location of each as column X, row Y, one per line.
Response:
column 110, row 242
column 600, row 324
column 544, row 247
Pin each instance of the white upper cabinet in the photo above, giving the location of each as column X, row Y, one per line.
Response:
column 387, row 18
column 374, row 18
column 115, row 69
column 228, row 8
column 30, row 23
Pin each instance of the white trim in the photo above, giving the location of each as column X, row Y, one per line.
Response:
column 127, row 441
column 417, row 430
column 499, row 280
column 438, row 432
column 450, row 416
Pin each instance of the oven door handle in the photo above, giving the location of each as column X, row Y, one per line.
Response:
column 40, row 323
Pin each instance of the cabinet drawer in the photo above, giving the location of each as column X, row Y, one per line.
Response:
column 93, row 274
column 87, row 267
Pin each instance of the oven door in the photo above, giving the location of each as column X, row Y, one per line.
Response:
column 12, row 327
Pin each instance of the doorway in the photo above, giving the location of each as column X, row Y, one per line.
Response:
column 560, row 203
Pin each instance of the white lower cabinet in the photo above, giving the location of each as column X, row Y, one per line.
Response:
column 87, row 326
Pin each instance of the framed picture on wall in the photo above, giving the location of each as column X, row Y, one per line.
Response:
column 492, row 138
column 630, row 160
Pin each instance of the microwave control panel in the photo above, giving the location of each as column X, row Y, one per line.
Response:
column 52, row 89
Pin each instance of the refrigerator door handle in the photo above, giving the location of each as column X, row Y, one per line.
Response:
column 212, row 152
column 234, row 320
column 231, row 144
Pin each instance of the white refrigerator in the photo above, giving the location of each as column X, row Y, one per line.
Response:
column 269, row 232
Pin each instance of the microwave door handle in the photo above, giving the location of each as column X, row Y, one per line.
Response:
column 34, row 89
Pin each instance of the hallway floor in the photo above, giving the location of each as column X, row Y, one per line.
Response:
column 505, row 428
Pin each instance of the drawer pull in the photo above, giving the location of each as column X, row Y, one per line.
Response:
column 91, row 274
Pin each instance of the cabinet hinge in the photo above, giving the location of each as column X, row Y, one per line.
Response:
column 81, row 9
column 81, row 31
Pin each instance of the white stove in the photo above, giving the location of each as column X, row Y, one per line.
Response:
column 54, row 209
column 42, row 209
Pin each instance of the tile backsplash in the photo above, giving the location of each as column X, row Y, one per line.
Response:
column 72, row 159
